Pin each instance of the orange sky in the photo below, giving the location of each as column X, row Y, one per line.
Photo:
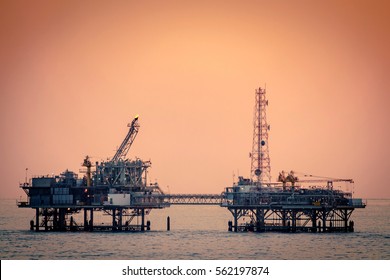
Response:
column 74, row 74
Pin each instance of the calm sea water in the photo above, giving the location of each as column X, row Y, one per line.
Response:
column 197, row 232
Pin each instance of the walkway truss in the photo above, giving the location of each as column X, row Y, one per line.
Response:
column 179, row 199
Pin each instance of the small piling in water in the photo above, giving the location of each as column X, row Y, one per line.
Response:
column 148, row 225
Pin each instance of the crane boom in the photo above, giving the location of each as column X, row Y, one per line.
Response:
column 324, row 180
column 129, row 139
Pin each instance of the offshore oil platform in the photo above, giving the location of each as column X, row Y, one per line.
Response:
column 291, row 204
column 118, row 188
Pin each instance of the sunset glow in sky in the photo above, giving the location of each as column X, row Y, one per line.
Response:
column 74, row 73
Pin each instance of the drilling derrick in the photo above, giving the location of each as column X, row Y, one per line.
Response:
column 260, row 163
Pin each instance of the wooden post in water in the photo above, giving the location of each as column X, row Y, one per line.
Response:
column 168, row 223
column 147, row 225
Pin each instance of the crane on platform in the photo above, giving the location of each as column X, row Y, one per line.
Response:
column 128, row 141
column 317, row 179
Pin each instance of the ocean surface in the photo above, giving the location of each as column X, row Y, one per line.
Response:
column 197, row 232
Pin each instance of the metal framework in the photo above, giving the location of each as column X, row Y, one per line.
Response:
column 297, row 219
column 49, row 218
column 260, row 160
column 178, row 199
column 196, row 199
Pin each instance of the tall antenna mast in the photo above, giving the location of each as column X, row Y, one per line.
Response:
column 260, row 165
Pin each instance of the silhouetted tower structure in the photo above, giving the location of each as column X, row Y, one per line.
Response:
column 260, row 165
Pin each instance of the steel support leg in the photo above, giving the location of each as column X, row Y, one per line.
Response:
column 91, row 221
column 235, row 220
column 37, row 219
column 314, row 221
column 284, row 218
column 142, row 219
column 120, row 220
column 113, row 219
column 324, row 220
column 46, row 219
column 294, row 221
column 345, row 220
column 85, row 220
column 260, row 225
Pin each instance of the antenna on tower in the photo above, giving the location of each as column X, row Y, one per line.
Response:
column 260, row 163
